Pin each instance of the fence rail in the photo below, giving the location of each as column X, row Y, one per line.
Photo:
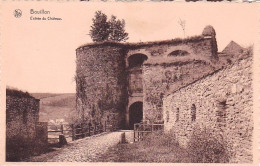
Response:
column 144, row 128
column 77, row 131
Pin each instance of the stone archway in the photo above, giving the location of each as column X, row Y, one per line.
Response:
column 135, row 114
column 136, row 60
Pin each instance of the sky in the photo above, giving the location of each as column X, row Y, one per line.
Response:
column 39, row 56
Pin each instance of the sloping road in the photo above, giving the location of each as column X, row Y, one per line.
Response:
column 88, row 149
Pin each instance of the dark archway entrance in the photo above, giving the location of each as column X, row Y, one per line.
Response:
column 136, row 60
column 135, row 114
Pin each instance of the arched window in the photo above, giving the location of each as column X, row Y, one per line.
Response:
column 177, row 114
column 136, row 60
column 179, row 53
column 193, row 112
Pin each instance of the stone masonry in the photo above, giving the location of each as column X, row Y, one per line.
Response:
column 121, row 81
column 222, row 102
column 22, row 114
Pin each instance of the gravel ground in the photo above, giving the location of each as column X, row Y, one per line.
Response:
column 88, row 149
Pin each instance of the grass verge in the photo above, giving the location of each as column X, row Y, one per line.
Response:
column 205, row 146
column 156, row 147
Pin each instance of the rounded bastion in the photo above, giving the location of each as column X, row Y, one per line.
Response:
column 101, row 83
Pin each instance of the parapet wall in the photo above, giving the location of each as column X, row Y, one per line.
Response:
column 221, row 102
column 101, row 84
column 198, row 45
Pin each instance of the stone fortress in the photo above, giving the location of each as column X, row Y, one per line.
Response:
column 181, row 83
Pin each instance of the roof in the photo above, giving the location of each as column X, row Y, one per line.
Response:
column 233, row 48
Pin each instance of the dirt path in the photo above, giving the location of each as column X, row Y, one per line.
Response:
column 88, row 149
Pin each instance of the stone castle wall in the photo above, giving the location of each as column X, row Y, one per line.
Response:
column 221, row 102
column 172, row 72
column 108, row 84
column 160, row 79
column 101, row 84
column 22, row 115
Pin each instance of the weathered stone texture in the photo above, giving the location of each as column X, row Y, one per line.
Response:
column 108, row 81
column 22, row 113
column 199, row 46
column 223, row 102
column 160, row 79
column 101, row 84
column 161, row 75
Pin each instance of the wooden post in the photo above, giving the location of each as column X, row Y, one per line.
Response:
column 134, row 132
column 73, row 133
column 81, row 130
column 61, row 128
column 95, row 129
column 105, row 126
column 89, row 134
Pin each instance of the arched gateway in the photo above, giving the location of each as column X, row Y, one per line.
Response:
column 135, row 114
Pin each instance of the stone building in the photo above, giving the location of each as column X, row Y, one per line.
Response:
column 221, row 103
column 22, row 115
column 126, row 82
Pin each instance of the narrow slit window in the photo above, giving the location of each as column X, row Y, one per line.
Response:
column 221, row 113
column 177, row 114
column 193, row 112
column 167, row 116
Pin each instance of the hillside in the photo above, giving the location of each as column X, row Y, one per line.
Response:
column 55, row 107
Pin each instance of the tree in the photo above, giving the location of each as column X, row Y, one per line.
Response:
column 117, row 30
column 100, row 27
column 104, row 30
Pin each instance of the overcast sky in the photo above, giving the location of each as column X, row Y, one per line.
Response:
column 39, row 56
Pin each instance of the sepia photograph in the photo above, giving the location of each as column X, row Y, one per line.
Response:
column 129, row 82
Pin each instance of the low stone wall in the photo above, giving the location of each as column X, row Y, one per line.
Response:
column 221, row 102
column 22, row 114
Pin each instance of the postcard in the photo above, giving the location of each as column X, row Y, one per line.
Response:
column 133, row 83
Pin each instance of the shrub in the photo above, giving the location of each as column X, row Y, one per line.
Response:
column 206, row 146
column 160, row 138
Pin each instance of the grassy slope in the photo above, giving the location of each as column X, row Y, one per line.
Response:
column 56, row 106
